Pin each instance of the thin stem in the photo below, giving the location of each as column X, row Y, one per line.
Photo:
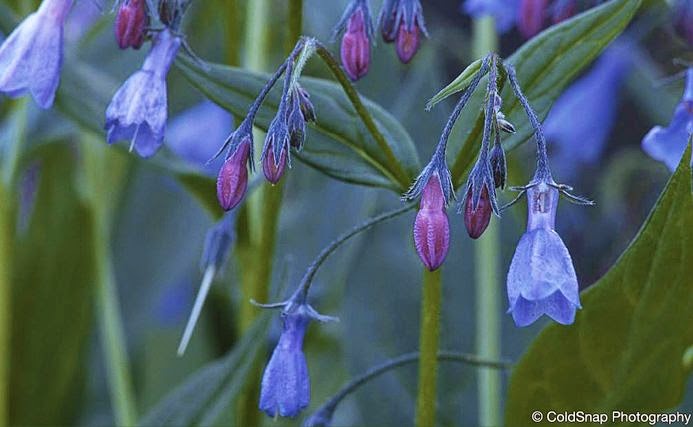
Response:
column 490, row 109
column 328, row 408
column 402, row 177
column 14, row 142
column 197, row 308
column 7, row 232
column 428, row 348
column 486, row 255
column 542, row 158
column 304, row 286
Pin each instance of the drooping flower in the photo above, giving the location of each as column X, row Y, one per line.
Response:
column 356, row 42
column 307, row 107
column 542, row 279
column 31, row 57
column 504, row 11
column 296, row 120
column 580, row 138
column 402, row 22
column 232, row 181
column 275, row 152
column 477, row 215
column 138, row 110
column 130, row 24
column 531, row 14
column 285, row 387
column 431, row 226
column 668, row 144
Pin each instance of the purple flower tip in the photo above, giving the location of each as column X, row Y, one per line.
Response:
column 668, row 144
column 407, row 42
column 431, row 226
column 232, row 181
column 531, row 17
column 541, row 279
column 477, row 218
column 356, row 47
column 274, row 170
column 138, row 110
column 130, row 24
column 31, row 56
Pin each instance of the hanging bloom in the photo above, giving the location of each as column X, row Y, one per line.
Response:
column 542, row 279
column 285, row 387
column 431, row 226
column 531, row 15
column 296, row 121
column 275, row 152
column 232, row 181
column 306, row 106
column 130, row 24
column 668, row 144
column 402, row 22
column 498, row 165
column 580, row 138
column 503, row 11
column 683, row 20
column 31, row 57
column 138, row 110
column 477, row 213
column 356, row 42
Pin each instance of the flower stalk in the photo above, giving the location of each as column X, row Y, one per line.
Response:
column 429, row 334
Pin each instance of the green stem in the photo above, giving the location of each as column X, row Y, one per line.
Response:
column 428, row 350
column 6, row 244
column 486, row 253
column 401, row 178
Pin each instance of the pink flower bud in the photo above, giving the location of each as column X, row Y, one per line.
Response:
column 407, row 42
column 274, row 171
column 531, row 18
column 431, row 227
column 130, row 24
column 232, row 181
column 476, row 220
column 356, row 48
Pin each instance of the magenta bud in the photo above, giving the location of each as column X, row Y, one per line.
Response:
column 232, row 181
column 274, row 171
column 130, row 24
column 407, row 42
column 531, row 18
column 356, row 47
column 431, row 227
column 476, row 220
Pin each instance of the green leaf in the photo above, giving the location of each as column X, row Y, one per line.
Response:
column 545, row 65
column 201, row 399
column 626, row 350
column 339, row 144
column 53, row 285
column 459, row 84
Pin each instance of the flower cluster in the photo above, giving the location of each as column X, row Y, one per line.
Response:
column 541, row 279
column 400, row 21
column 286, row 131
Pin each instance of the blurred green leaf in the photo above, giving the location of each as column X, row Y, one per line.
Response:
column 53, row 289
column 626, row 349
column 339, row 145
column 207, row 393
column 545, row 65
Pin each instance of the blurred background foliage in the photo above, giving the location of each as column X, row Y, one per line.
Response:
column 87, row 214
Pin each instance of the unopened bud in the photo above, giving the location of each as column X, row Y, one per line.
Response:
column 232, row 181
column 498, row 166
column 503, row 124
column 407, row 42
column 306, row 106
column 356, row 48
column 431, row 227
column 476, row 220
column 130, row 24
column 296, row 123
column 274, row 170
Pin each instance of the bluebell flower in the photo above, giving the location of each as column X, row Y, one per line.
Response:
column 285, row 388
column 31, row 57
column 138, row 110
column 503, row 11
column 541, row 279
column 581, row 120
column 668, row 144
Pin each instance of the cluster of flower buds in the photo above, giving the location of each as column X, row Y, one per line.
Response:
column 31, row 56
column 132, row 20
column 541, row 279
column 287, row 130
column 400, row 21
